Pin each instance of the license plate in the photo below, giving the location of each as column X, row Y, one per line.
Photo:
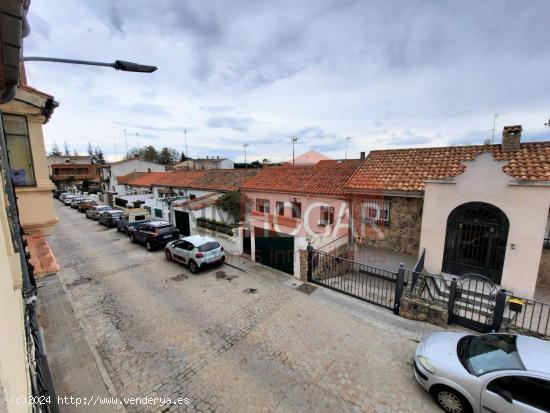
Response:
column 214, row 259
column 167, row 236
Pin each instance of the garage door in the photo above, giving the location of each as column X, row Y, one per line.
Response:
column 182, row 222
column 274, row 249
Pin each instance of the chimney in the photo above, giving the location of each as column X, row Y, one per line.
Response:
column 362, row 155
column 511, row 138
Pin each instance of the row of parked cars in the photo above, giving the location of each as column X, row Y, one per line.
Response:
column 194, row 251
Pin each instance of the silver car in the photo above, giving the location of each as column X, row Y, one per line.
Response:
column 490, row 373
column 196, row 251
column 95, row 211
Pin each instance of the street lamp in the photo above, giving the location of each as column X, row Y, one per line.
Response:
column 294, row 139
column 117, row 64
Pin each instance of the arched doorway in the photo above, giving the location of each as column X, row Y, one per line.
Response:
column 476, row 239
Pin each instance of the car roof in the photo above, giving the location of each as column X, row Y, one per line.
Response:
column 534, row 353
column 159, row 223
column 199, row 239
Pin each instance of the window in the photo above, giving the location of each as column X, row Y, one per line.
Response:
column 192, row 196
column 490, row 352
column 528, row 390
column 19, row 150
column 262, row 205
column 327, row 215
column 296, row 209
column 376, row 211
column 280, row 208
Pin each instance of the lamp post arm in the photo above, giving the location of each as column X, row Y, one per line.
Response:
column 58, row 60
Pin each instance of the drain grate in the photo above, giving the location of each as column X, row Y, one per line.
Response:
column 306, row 288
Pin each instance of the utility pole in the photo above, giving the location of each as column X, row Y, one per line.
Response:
column 245, row 145
column 126, row 141
column 186, row 150
column 294, row 140
column 347, row 141
column 497, row 115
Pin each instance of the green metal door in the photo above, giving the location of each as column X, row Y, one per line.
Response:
column 182, row 222
column 274, row 249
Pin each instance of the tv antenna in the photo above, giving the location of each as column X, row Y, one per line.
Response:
column 496, row 115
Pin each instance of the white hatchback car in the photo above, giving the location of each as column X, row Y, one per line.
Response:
column 490, row 373
column 196, row 251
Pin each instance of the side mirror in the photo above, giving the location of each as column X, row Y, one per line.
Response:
column 505, row 394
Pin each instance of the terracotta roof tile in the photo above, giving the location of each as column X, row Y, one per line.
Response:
column 223, row 179
column 145, row 178
column 124, row 179
column 324, row 178
column 408, row 169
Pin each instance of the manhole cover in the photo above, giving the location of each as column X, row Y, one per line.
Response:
column 250, row 291
column 306, row 288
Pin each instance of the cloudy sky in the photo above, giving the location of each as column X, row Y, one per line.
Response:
column 385, row 73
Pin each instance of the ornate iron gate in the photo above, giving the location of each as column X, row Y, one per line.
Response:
column 475, row 302
column 476, row 239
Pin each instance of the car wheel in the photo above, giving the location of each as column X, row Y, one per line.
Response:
column 450, row 400
column 148, row 246
column 193, row 267
column 132, row 239
column 168, row 255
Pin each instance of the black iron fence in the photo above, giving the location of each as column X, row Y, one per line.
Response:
column 368, row 283
column 472, row 300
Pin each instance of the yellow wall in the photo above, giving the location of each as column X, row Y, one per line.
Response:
column 13, row 369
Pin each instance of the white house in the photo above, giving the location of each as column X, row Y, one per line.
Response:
column 110, row 172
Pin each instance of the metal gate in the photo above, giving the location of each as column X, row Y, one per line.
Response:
column 375, row 285
column 476, row 239
column 475, row 302
column 182, row 222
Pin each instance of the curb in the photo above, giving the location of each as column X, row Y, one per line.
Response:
column 97, row 359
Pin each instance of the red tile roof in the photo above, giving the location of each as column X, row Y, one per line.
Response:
column 324, row 178
column 209, row 179
column 407, row 169
column 146, row 179
column 124, row 179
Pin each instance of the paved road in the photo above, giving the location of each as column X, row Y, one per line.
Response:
column 162, row 332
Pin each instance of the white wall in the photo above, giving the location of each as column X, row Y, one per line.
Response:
column 526, row 207
column 131, row 165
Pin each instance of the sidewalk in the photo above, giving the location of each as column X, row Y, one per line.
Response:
column 72, row 364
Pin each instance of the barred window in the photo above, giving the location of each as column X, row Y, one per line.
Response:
column 327, row 215
column 376, row 211
column 262, row 205
column 279, row 208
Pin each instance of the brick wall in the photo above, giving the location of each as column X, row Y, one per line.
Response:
column 402, row 234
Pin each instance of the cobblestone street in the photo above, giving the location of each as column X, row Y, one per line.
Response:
column 161, row 331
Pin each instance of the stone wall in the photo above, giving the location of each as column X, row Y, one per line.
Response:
column 403, row 233
column 303, row 265
column 422, row 310
column 344, row 266
column 543, row 279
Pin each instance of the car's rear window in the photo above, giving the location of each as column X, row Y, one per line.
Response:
column 209, row 246
column 139, row 217
column 166, row 230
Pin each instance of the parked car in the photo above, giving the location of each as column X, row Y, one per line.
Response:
column 84, row 206
column 63, row 195
column 153, row 234
column 196, row 251
column 77, row 201
column 58, row 192
column 94, row 211
column 502, row 373
column 131, row 220
column 67, row 199
column 109, row 218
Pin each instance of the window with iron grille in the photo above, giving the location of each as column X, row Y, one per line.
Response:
column 327, row 215
column 262, row 205
column 19, row 150
column 376, row 211
column 296, row 209
column 279, row 208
